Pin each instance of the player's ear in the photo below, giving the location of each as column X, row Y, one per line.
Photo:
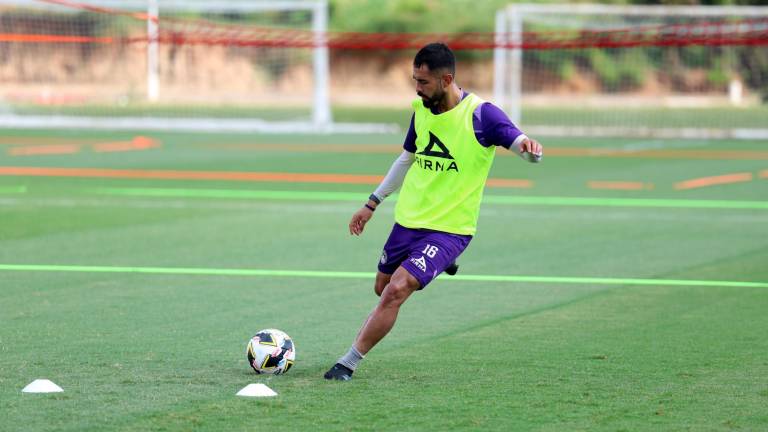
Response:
column 447, row 79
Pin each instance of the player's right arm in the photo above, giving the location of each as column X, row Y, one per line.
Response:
column 392, row 181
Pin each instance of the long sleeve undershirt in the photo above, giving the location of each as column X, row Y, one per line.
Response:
column 395, row 176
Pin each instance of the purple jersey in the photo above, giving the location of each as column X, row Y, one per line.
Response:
column 492, row 127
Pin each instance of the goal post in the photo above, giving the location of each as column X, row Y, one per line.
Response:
column 575, row 70
column 259, row 65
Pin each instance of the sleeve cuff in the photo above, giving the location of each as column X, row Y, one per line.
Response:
column 519, row 140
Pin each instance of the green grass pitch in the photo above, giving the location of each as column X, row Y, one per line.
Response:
column 138, row 351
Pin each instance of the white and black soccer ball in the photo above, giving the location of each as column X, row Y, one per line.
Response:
column 271, row 351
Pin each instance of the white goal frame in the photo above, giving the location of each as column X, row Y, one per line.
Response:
column 508, row 63
column 321, row 120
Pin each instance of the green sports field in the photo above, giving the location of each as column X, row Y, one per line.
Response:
column 621, row 285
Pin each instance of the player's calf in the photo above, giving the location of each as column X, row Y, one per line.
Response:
column 382, row 279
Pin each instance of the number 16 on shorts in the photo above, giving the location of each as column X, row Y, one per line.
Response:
column 430, row 250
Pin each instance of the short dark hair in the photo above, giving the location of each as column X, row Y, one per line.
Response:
column 436, row 56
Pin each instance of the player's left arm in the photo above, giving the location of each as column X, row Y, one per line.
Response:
column 493, row 127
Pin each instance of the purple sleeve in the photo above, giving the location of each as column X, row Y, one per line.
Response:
column 493, row 127
column 410, row 138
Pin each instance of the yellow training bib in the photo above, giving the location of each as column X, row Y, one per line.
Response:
column 443, row 188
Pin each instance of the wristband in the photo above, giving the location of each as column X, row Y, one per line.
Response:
column 375, row 199
column 369, row 207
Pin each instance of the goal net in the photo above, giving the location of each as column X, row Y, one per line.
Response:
column 647, row 71
column 255, row 65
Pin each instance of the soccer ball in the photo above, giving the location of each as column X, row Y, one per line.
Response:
column 271, row 351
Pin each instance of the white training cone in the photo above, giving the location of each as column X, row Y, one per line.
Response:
column 256, row 390
column 42, row 386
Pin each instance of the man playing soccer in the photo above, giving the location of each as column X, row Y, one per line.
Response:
column 452, row 138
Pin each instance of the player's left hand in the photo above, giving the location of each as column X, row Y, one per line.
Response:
column 532, row 146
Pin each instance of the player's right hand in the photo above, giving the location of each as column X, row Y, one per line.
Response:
column 359, row 219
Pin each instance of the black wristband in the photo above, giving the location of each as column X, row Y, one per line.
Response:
column 375, row 199
column 369, row 207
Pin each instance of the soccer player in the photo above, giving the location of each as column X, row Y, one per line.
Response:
column 452, row 140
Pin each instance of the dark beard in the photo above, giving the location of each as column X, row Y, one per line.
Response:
column 434, row 101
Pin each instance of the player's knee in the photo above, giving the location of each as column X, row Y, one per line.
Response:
column 396, row 292
column 392, row 296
